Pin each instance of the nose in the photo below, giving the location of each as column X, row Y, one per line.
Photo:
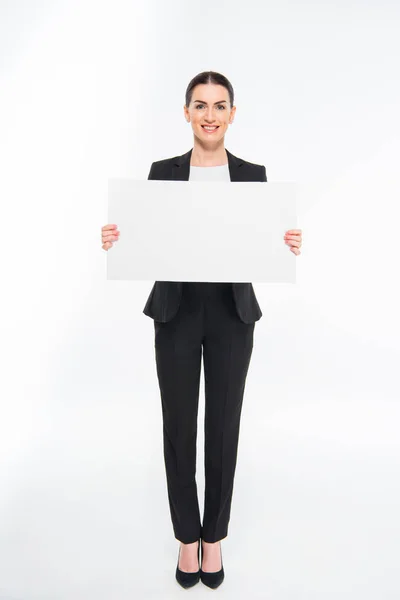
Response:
column 210, row 116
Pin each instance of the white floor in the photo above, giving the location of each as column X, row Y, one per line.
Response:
column 84, row 513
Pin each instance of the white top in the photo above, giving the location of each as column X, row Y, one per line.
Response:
column 219, row 173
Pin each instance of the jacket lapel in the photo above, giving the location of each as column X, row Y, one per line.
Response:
column 181, row 167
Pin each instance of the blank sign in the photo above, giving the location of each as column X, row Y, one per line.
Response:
column 201, row 231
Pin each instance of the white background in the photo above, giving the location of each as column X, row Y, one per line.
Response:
column 93, row 90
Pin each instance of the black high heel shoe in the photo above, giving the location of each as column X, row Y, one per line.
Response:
column 187, row 580
column 215, row 578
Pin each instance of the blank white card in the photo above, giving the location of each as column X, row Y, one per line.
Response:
column 201, row 231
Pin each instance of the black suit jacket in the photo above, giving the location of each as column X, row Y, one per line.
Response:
column 164, row 299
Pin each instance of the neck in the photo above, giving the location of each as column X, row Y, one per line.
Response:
column 205, row 156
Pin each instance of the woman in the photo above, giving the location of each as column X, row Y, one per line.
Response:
column 216, row 318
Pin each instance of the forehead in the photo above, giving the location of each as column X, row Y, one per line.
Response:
column 210, row 92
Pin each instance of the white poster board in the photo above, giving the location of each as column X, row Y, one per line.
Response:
column 201, row 231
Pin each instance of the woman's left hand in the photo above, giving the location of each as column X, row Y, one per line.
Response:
column 292, row 237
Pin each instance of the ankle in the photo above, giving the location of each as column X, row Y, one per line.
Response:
column 210, row 544
column 192, row 544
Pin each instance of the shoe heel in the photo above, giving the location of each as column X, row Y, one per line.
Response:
column 213, row 579
column 184, row 579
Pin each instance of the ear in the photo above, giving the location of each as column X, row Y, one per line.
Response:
column 186, row 113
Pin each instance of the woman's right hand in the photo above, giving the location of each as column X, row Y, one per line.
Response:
column 109, row 234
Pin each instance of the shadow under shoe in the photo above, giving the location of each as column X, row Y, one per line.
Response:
column 187, row 580
column 214, row 578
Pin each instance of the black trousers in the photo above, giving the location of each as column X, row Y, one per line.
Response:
column 206, row 322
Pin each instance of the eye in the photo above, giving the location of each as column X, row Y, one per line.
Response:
column 219, row 106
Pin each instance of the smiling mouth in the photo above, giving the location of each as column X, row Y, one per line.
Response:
column 210, row 129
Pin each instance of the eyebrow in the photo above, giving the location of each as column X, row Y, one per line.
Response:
column 202, row 101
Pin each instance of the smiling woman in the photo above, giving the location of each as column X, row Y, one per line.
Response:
column 215, row 320
column 195, row 319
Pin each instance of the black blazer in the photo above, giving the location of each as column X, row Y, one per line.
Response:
column 164, row 299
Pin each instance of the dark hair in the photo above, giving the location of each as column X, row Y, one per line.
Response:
column 209, row 77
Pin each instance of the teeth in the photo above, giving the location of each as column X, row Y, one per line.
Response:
column 209, row 128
